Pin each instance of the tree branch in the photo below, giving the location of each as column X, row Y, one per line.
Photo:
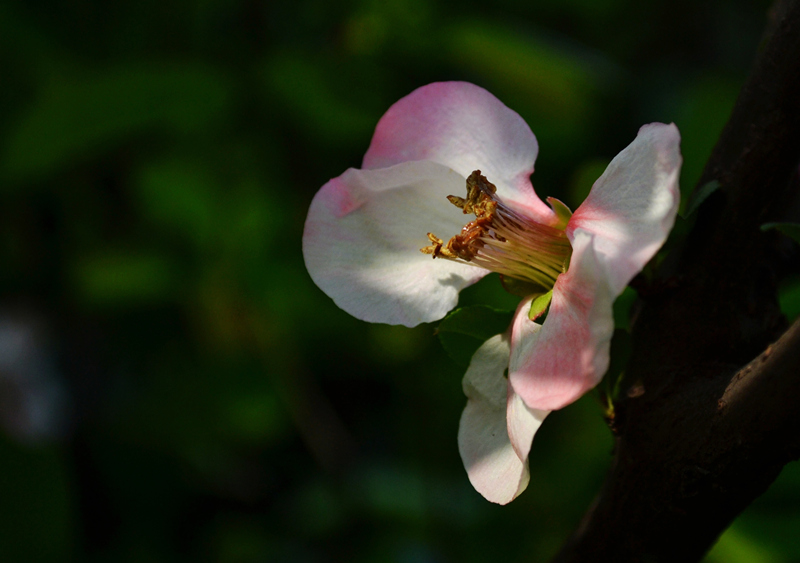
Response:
column 761, row 400
column 707, row 435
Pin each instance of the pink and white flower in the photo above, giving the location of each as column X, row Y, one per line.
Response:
column 365, row 229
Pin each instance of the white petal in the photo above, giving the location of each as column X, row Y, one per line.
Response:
column 485, row 378
column 466, row 128
column 522, row 423
column 614, row 233
column 362, row 239
column 496, row 428
column 632, row 206
column 553, row 365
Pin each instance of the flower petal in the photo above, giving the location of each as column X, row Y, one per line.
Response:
column 496, row 428
column 362, row 239
column 619, row 227
column 522, row 422
column 632, row 206
column 552, row 366
column 466, row 128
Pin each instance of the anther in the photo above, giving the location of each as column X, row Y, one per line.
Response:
column 503, row 239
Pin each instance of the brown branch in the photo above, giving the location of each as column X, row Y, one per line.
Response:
column 712, row 429
column 717, row 445
column 761, row 401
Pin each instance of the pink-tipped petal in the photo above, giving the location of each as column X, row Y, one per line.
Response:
column 614, row 233
column 496, row 429
column 462, row 126
column 554, row 365
column 632, row 206
column 362, row 239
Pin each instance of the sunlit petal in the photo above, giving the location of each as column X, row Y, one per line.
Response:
column 465, row 128
column 362, row 239
column 496, row 428
column 632, row 206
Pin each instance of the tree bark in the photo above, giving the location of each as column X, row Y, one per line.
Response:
column 705, row 428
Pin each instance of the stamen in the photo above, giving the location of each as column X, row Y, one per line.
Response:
column 503, row 239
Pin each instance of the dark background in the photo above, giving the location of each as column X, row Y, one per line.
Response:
column 173, row 387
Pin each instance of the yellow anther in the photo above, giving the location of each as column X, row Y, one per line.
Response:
column 503, row 239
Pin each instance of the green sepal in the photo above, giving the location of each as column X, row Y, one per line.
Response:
column 791, row 230
column 464, row 330
column 520, row 288
column 699, row 196
column 563, row 212
column 540, row 305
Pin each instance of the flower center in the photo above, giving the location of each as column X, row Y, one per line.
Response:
column 504, row 240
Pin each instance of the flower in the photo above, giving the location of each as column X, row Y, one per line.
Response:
column 365, row 229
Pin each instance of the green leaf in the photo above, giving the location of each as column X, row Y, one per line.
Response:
column 789, row 298
column 93, row 113
column 540, row 305
column 306, row 89
column 622, row 308
column 122, row 278
column 791, row 230
column 699, row 196
column 551, row 77
column 464, row 330
column 180, row 196
column 736, row 545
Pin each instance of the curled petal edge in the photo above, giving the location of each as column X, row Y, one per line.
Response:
column 496, row 428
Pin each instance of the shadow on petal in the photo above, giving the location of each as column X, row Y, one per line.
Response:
column 494, row 418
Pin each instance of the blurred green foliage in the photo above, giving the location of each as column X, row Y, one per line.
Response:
column 463, row 330
column 156, row 163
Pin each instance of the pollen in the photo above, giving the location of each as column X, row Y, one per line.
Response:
column 503, row 239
